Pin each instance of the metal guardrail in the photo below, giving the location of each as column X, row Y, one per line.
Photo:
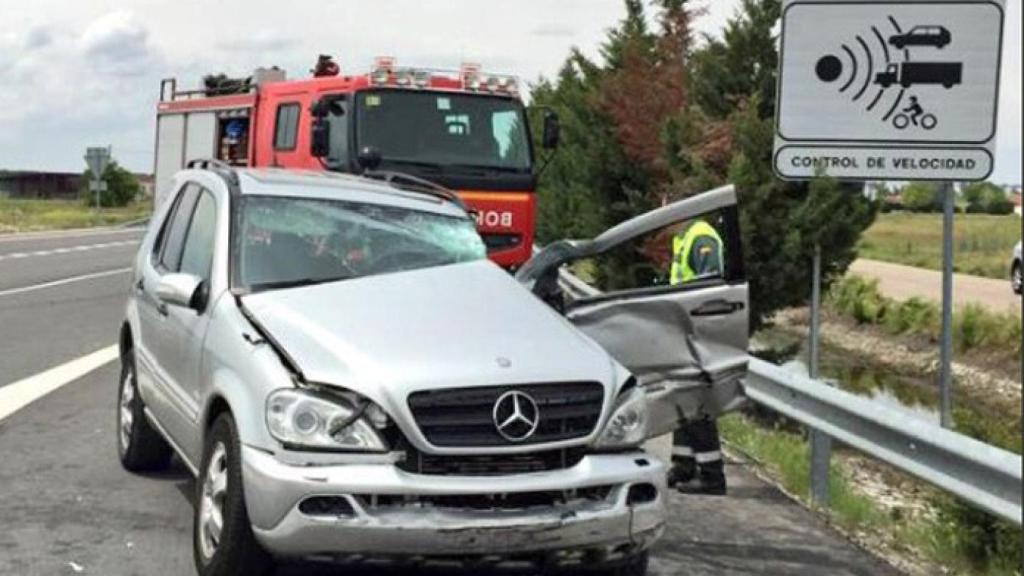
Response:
column 979, row 473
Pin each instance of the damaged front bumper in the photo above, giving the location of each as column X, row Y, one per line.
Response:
column 606, row 506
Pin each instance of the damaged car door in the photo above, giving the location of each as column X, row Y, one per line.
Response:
column 665, row 294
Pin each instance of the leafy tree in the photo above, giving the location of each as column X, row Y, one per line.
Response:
column 122, row 187
column 987, row 198
column 922, row 197
column 660, row 119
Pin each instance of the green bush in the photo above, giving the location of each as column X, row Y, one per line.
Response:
column 859, row 298
column 974, row 326
column 122, row 187
column 914, row 316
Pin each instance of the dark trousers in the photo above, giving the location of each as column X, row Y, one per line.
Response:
column 697, row 452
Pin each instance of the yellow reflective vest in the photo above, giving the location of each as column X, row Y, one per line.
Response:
column 683, row 260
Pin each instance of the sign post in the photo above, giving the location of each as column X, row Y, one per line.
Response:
column 889, row 90
column 97, row 160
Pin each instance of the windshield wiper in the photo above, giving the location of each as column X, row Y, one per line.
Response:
column 485, row 168
column 282, row 284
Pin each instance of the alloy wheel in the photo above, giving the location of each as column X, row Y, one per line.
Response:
column 126, row 409
column 211, row 505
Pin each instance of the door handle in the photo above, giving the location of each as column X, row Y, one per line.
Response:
column 162, row 309
column 717, row 308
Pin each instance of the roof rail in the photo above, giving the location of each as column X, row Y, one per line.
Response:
column 415, row 184
column 219, row 166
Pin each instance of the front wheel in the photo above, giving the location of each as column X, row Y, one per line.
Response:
column 1015, row 278
column 222, row 540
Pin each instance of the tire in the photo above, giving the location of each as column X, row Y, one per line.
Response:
column 139, row 446
column 234, row 550
column 1015, row 277
column 901, row 121
column 929, row 121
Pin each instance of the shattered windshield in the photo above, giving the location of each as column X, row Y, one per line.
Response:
column 287, row 242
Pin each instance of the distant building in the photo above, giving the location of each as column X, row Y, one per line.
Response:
column 53, row 185
column 43, row 185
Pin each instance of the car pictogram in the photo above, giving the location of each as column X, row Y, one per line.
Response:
column 935, row 36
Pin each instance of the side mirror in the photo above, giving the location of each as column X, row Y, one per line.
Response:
column 552, row 130
column 369, row 158
column 183, row 290
column 320, row 138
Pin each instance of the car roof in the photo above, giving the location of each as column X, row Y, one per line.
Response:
column 326, row 185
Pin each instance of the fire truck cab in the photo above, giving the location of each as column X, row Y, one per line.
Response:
column 465, row 130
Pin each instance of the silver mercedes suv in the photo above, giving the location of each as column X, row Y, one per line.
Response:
column 348, row 376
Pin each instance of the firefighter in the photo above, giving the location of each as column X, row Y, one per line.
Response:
column 696, row 449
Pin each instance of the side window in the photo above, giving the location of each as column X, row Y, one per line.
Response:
column 338, row 154
column 692, row 253
column 286, row 127
column 161, row 237
column 197, row 255
column 174, row 235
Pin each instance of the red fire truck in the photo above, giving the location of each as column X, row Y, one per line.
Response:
column 465, row 130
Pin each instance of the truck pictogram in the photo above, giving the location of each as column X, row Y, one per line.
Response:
column 908, row 74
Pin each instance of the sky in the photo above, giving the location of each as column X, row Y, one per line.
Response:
column 87, row 72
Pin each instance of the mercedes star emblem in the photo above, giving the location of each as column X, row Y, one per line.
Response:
column 516, row 416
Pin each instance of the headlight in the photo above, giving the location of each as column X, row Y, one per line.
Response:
column 303, row 419
column 628, row 425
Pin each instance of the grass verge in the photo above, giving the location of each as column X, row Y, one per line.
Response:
column 27, row 215
column 955, row 536
column 982, row 243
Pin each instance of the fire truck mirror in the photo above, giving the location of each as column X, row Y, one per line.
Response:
column 552, row 130
column 320, row 138
column 369, row 158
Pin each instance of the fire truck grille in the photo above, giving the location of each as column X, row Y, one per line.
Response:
column 464, row 417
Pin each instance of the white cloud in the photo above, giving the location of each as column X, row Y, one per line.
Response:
column 117, row 44
column 265, row 40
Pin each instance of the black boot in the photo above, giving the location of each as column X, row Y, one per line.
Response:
column 683, row 471
column 710, row 481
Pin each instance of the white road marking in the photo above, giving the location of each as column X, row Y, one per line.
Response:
column 62, row 281
column 81, row 232
column 66, row 249
column 17, row 395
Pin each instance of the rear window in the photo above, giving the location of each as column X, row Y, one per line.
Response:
column 288, row 242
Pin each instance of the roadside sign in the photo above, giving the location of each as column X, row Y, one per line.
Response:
column 888, row 89
column 97, row 159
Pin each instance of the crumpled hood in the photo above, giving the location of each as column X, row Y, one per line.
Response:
column 461, row 325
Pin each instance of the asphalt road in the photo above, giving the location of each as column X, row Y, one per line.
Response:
column 905, row 282
column 67, row 507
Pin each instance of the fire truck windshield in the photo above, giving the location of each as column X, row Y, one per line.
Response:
column 449, row 130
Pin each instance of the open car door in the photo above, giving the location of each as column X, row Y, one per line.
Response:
column 681, row 332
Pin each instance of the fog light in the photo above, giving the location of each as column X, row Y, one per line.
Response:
column 326, row 506
column 641, row 494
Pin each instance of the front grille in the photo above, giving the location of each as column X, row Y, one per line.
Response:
column 417, row 462
column 463, row 417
